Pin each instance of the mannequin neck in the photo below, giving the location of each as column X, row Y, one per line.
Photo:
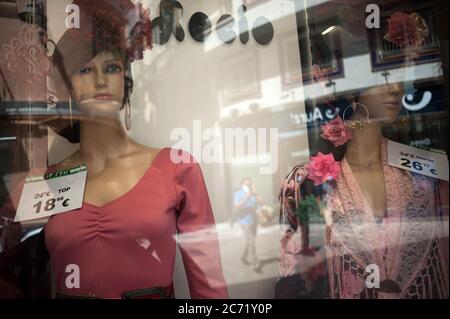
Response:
column 364, row 149
column 103, row 140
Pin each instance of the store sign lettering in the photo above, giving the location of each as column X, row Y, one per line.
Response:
column 200, row 26
column 316, row 115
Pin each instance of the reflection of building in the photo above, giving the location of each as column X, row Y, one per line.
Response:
column 267, row 86
column 368, row 60
column 329, row 57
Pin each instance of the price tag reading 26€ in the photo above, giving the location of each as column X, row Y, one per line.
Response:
column 51, row 194
column 418, row 160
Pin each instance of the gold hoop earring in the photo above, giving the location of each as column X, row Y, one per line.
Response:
column 356, row 124
column 405, row 119
column 128, row 116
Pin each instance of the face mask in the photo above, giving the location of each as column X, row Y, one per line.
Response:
column 246, row 188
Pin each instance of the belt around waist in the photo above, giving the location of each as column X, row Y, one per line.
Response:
column 146, row 293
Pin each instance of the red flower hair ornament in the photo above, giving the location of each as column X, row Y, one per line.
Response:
column 336, row 131
column 121, row 24
column 323, row 168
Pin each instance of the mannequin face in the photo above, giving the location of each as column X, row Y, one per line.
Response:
column 99, row 85
column 384, row 102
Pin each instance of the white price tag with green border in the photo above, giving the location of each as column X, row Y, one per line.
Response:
column 417, row 160
column 52, row 193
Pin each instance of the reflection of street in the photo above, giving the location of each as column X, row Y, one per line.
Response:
column 242, row 281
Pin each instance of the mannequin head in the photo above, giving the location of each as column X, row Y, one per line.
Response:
column 384, row 105
column 99, row 85
column 92, row 64
column 383, row 102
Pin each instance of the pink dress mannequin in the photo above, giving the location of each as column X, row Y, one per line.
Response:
column 409, row 245
column 130, row 243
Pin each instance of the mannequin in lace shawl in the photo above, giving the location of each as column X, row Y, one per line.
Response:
column 375, row 214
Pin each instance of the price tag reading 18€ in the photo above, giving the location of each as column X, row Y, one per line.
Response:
column 51, row 194
column 418, row 160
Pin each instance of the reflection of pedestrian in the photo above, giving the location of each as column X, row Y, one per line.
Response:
column 246, row 202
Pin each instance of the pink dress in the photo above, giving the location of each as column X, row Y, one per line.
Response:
column 130, row 243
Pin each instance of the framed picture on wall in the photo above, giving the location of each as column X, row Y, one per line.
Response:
column 291, row 66
column 386, row 54
column 318, row 43
column 326, row 49
column 294, row 71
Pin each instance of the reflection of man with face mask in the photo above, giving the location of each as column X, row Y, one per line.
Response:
column 246, row 202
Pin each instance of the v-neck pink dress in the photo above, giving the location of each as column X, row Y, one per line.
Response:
column 130, row 243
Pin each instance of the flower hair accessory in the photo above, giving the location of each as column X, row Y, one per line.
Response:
column 323, row 168
column 111, row 24
column 336, row 131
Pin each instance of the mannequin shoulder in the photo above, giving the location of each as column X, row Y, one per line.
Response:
column 146, row 150
column 142, row 155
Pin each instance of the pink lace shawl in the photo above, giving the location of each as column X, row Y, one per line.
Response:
column 411, row 248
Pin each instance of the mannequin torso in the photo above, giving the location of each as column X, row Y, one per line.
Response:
column 112, row 177
column 371, row 183
column 364, row 157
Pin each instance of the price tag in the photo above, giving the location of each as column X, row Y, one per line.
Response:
column 417, row 160
column 51, row 194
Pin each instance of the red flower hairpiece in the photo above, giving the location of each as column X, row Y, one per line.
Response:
column 323, row 168
column 120, row 24
column 336, row 131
